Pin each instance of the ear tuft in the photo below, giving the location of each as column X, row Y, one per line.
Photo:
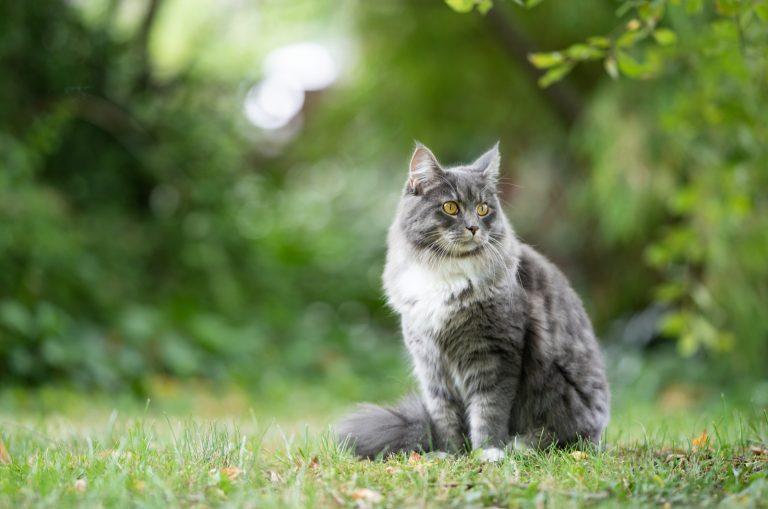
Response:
column 423, row 168
column 489, row 164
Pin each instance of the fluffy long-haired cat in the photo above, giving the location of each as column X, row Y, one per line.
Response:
column 500, row 343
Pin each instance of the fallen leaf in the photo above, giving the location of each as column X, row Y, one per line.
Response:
column 579, row 455
column 414, row 458
column 759, row 450
column 81, row 485
column 5, row 458
column 701, row 440
column 365, row 496
column 232, row 473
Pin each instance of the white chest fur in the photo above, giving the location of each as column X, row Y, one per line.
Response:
column 426, row 297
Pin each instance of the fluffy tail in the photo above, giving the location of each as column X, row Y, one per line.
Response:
column 373, row 430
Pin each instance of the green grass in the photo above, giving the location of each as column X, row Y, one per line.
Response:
column 70, row 451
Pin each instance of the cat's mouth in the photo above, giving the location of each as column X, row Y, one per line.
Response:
column 459, row 249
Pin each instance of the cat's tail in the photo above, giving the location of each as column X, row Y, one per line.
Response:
column 373, row 430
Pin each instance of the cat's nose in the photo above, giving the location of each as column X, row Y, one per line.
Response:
column 473, row 229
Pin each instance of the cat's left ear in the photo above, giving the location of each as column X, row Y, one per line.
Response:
column 489, row 164
column 423, row 169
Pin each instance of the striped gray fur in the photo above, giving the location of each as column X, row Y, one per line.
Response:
column 501, row 346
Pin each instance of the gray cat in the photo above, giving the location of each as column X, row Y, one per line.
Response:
column 501, row 346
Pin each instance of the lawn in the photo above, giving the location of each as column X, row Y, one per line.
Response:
column 200, row 448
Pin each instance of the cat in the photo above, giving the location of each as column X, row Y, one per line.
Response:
column 501, row 346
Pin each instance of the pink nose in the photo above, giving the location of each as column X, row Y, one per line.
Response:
column 473, row 229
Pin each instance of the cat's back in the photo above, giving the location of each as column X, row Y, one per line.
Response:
column 547, row 289
column 559, row 333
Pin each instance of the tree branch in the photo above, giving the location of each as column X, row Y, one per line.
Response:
column 562, row 97
column 145, row 30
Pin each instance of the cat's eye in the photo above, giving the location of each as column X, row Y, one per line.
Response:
column 482, row 209
column 451, row 207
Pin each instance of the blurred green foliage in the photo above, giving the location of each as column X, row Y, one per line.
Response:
column 705, row 140
column 148, row 228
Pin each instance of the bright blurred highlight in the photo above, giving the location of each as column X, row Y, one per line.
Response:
column 289, row 71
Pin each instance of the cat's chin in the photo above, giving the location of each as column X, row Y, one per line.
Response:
column 466, row 249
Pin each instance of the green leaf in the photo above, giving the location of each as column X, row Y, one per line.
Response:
column 584, row 52
column 628, row 65
column 657, row 255
column 670, row 291
column 650, row 12
column 599, row 42
column 461, row 5
column 665, row 36
column 555, row 74
column 483, row 6
column 675, row 323
column 628, row 39
column 546, row 60
column 693, row 6
column 624, row 8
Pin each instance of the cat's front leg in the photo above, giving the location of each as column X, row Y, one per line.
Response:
column 489, row 405
column 442, row 404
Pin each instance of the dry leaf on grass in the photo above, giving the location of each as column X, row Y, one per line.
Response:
column 366, row 497
column 5, row 458
column 81, row 485
column 701, row 440
column 579, row 455
column 759, row 450
column 232, row 473
column 414, row 458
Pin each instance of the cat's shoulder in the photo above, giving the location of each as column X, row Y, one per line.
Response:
column 536, row 270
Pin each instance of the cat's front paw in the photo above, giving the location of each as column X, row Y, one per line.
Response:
column 491, row 455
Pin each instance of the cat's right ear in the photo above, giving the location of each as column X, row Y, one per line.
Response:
column 424, row 168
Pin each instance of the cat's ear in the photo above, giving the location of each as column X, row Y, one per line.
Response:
column 424, row 168
column 489, row 164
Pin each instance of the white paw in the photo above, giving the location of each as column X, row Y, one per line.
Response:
column 491, row 455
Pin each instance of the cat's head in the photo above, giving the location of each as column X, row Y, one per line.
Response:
column 452, row 212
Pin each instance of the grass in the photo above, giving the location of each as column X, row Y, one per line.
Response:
column 69, row 451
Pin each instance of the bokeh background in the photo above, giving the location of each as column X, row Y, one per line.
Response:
column 194, row 194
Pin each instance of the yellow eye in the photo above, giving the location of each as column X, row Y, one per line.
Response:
column 451, row 207
column 482, row 209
